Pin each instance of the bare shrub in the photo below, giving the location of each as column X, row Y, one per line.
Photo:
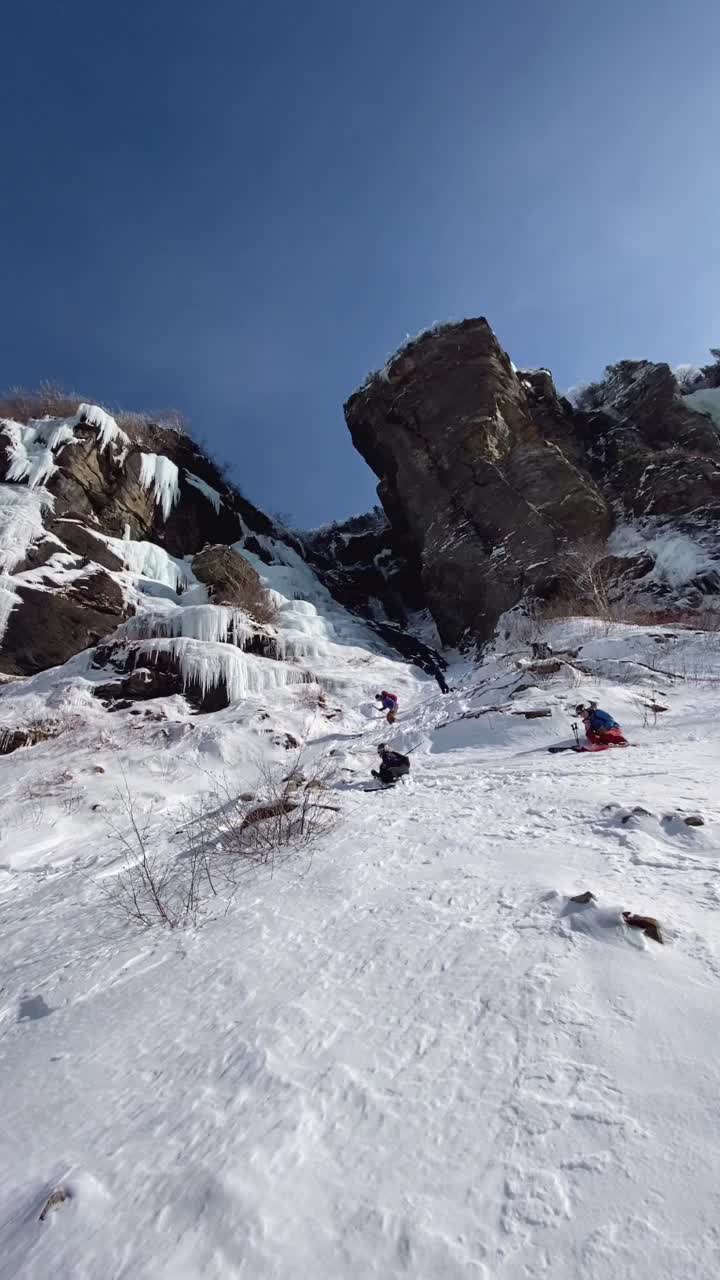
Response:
column 233, row 581
column 583, row 572
column 285, row 814
column 262, row 607
column 134, row 423
column 49, row 400
column 225, row 833
column 712, row 371
column 151, row 888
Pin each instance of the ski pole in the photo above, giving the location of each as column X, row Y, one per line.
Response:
column 575, row 731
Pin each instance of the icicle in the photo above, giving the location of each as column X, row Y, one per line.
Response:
column 8, row 600
column 205, row 489
column 211, row 666
column 161, row 474
column 107, row 428
column 210, row 623
column 32, row 447
column 21, row 523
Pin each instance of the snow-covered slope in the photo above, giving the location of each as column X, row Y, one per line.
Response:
column 408, row 1054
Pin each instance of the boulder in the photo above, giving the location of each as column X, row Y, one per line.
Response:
column 233, row 581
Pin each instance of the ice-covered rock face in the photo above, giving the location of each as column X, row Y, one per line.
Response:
column 169, row 581
column 94, row 521
column 487, row 478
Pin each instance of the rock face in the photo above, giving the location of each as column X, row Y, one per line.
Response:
column 80, row 497
column 157, row 486
column 49, row 626
column 232, row 580
column 488, row 477
column 478, row 495
column 127, row 540
column 364, row 567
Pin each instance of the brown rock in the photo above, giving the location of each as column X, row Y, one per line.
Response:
column 648, row 924
column 49, row 626
column 58, row 1197
column 233, row 581
column 472, row 488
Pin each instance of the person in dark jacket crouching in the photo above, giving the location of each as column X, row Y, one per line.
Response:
column 393, row 765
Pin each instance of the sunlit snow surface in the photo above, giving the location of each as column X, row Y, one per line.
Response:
column 407, row 1055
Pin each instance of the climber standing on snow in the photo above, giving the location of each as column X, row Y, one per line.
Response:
column 389, row 703
column 600, row 728
column 393, row 765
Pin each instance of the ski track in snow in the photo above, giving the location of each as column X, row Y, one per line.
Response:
column 403, row 1057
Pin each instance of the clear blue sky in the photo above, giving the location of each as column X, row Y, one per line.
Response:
column 239, row 208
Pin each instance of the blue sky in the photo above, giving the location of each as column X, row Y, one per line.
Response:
column 239, row 208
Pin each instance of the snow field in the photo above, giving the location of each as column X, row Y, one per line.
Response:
column 406, row 1055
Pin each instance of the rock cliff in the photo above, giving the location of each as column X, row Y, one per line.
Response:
column 489, row 478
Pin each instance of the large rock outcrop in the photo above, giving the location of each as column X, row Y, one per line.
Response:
column 478, row 495
column 489, row 478
column 155, row 485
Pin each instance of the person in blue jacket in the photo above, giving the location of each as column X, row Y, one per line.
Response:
column 600, row 728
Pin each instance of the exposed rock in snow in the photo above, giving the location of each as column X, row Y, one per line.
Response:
column 232, row 580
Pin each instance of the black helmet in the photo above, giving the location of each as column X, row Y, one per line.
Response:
column 378, row 695
column 382, row 748
column 580, row 708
